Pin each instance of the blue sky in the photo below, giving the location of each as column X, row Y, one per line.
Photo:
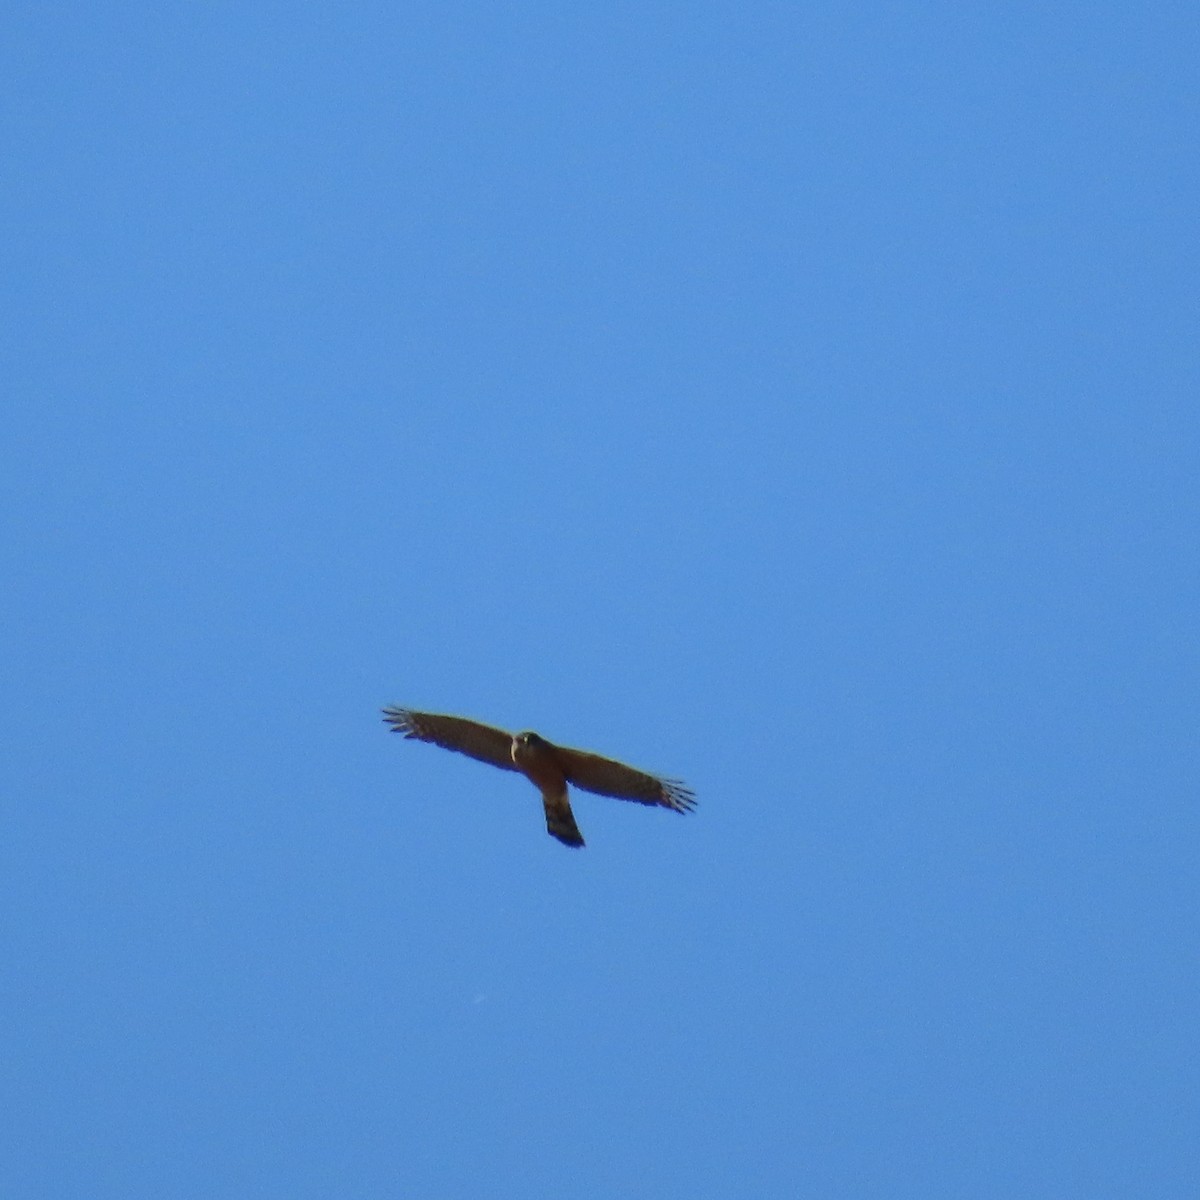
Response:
column 794, row 399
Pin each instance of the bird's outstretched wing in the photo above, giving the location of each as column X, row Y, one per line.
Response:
column 484, row 742
column 607, row 777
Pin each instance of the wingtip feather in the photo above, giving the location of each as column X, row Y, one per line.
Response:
column 400, row 720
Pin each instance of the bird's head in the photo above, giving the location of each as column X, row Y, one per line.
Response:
column 526, row 748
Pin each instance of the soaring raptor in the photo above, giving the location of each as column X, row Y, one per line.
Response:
column 549, row 767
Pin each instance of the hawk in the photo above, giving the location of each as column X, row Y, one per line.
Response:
column 549, row 767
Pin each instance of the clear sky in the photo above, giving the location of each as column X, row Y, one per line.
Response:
column 800, row 400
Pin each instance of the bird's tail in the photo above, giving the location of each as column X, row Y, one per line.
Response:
column 560, row 820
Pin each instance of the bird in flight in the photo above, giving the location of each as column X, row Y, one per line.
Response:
column 549, row 767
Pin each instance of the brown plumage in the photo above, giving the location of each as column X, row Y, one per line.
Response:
column 551, row 768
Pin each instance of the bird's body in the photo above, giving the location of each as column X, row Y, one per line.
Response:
column 549, row 767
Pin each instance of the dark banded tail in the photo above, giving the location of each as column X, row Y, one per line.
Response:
column 560, row 820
